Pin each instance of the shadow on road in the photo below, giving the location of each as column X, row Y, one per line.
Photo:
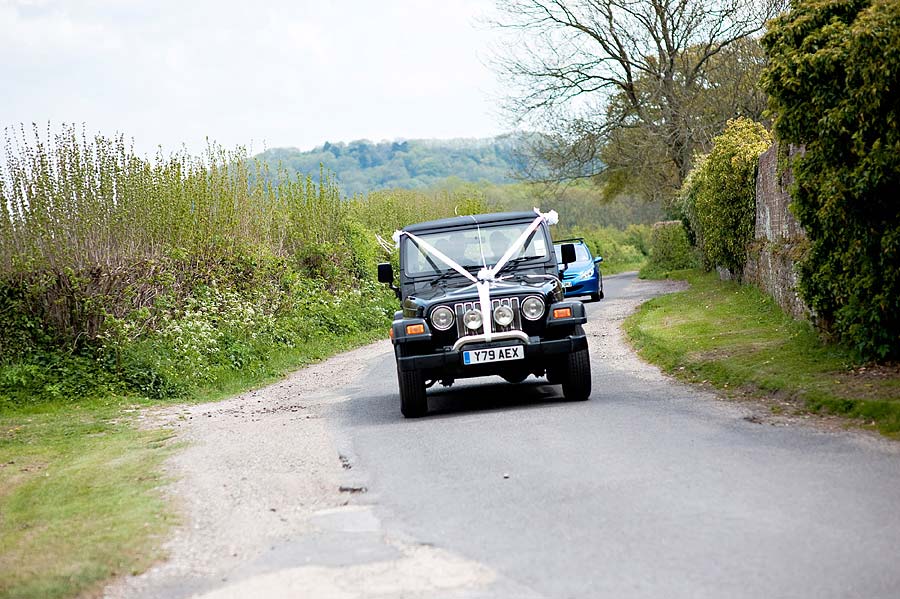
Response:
column 491, row 394
column 477, row 395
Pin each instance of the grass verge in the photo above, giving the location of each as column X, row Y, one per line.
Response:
column 737, row 339
column 619, row 267
column 80, row 498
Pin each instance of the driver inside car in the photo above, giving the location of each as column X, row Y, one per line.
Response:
column 499, row 243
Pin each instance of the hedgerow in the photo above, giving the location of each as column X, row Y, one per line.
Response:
column 834, row 82
column 718, row 196
column 120, row 274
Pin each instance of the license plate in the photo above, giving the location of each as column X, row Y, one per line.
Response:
column 494, row 354
column 567, row 284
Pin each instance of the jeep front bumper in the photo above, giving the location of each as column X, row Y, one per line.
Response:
column 450, row 362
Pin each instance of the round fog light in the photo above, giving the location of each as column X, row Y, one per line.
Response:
column 503, row 315
column 472, row 319
column 442, row 318
column 533, row 308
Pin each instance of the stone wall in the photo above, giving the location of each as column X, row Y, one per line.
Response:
column 779, row 240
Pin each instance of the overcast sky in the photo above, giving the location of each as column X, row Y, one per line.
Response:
column 266, row 72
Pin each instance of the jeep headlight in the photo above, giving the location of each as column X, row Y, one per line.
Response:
column 503, row 315
column 442, row 318
column 533, row 307
column 473, row 319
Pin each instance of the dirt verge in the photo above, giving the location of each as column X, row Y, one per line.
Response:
column 253, row 472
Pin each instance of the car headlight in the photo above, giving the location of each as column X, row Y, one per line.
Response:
column 473, row 319
column 503, row 315
column 442, row 318
column 585, row 274
column 533, row 307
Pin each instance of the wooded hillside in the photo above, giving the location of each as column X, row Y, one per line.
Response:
column 363, row 166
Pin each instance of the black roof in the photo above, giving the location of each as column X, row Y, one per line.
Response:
column 468, row 221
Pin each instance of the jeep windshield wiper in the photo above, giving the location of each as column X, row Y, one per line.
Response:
column 519, row 260
column 449, row 273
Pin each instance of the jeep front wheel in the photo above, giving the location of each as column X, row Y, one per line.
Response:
column 413, row 398
column 576, row 381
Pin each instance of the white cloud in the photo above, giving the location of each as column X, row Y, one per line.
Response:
column 284, row 72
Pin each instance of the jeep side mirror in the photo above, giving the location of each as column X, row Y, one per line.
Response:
column 386, row 273
column 386, row 276
column 566, row 256
column 598, row 259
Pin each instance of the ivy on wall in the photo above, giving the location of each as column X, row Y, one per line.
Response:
column 834, row 83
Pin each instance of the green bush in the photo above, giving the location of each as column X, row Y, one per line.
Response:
column 669, row 249
column 619, row 249
column 719, row 195
column 640, row 237
column 833, row 78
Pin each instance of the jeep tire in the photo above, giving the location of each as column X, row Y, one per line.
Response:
column 413, row 397
column 576, row 379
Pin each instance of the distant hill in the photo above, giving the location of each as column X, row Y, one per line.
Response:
column 363, row 166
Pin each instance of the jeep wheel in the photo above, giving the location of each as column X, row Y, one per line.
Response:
column 413, row 398
column 576, row 383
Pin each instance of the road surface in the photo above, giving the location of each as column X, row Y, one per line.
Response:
column 650, row 489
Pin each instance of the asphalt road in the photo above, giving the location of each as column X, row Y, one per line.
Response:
column 650, row 489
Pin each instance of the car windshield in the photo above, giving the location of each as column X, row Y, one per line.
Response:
column 582, row 255
column 477, row 247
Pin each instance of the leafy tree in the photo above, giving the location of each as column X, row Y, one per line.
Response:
column 637, row 158
column 620, row 85
column 834, row 78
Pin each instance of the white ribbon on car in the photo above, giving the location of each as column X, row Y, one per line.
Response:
column 485, row 276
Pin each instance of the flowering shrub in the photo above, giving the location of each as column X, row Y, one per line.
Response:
column 219, row 329
column 718, row 196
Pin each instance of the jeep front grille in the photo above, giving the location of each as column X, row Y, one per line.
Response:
column 462, row 307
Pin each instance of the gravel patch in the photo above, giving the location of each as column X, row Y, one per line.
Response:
column 253, row 472
column 604, row 326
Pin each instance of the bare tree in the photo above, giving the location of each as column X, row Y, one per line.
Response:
column 590, row 73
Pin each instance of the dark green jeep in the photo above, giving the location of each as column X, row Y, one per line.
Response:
column 449, row 270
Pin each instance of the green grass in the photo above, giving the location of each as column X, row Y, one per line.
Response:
column 617, row 267
column 80, row 498
column 736, row 338
column 648, row 270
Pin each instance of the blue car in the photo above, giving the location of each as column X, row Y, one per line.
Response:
column 582, row 277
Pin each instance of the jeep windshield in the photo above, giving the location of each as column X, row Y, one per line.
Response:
column 471, row 248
